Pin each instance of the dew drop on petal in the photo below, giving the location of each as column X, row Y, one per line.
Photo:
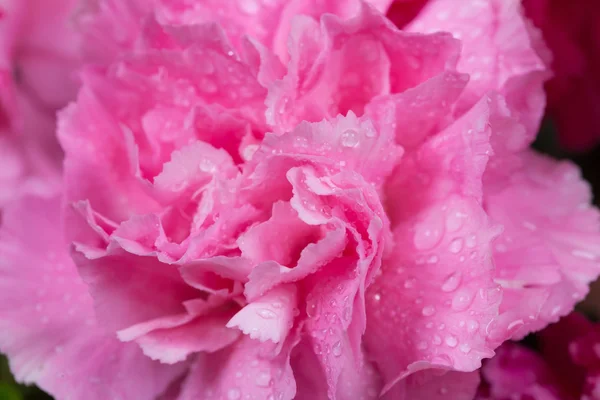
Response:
column 349, row 138
column 428, row 311
column 266, row 313
column 455, row 221
column 263, row 379
column 337, row 349
column 462, row 300
column 451, row 341
column 451, row 283
column 233, row 394
column 471, row 241
column 456, row 245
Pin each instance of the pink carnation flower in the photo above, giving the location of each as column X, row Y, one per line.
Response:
column 567, row 367
column 294, row 200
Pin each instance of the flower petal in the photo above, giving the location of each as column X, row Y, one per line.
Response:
column 498, row 52
column 48, row 325
column 546, row 256
column 248, row 368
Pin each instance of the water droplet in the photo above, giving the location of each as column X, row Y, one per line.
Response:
column 471, row 241
column 443, row 390
column 410, row 283
column 277, row 305
column 233, row 394
column 428, row 234
column 437, row 340
column 465, row 348
column 451, row 341
column 422, row 345
column 266, row 313
column 347, row 314
column 455, row 221
column 428, row 311
column 455, row 245
column 350, row 138
column 529, row 225
column 263, row 379
column 451, row 283
column 462, row 300
column 207, row 166
column 337, row 349
column 433, row 259
column 300, row 142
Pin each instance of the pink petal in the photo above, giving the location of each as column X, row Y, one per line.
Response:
column 498, row 53
column 265, row 22
column 322, row 67
column 269, row 317
column 49, row 330
column 247, row 368
column 316, row 255
column 110, row 27
column 418, row 112
column 281, row 238
column 192, row 167
column 38, row 41
column 342, row 143
column 441, row 258
column 97, row 158
column 119, row 283
column 357, row 380
column 452, row 162
column 546, row 256
column 259, row 20
column 174, row 344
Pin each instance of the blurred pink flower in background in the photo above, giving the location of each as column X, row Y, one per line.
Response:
column 38, row 60
column 566, row 367
column 293, row 200
column 571, row 31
